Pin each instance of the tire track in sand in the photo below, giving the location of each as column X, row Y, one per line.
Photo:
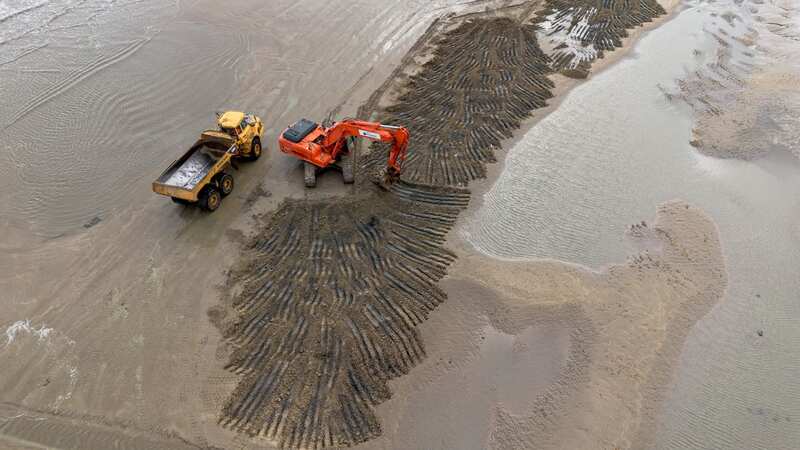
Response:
column 76, row 77
column 323, row 307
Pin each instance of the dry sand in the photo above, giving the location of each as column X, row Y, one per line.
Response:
column 119, row 348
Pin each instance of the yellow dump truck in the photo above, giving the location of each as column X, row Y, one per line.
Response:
column 201, row 176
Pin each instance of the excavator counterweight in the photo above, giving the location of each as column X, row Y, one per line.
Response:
column 321, row 147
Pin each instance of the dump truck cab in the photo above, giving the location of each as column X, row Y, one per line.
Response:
column 245, row 129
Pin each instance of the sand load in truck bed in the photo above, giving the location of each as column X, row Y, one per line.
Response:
column 187, row 174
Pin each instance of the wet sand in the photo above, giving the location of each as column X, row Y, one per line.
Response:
column 114, row 334
column 595, row 171
column 744, row 99
column 537, row 354
column 125, row 302
column 380, row 261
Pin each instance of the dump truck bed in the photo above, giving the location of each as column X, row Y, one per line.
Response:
column 188, row 174
column 185, row 177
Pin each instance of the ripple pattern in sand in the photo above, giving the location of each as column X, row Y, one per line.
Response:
column 458, row 117
column 617, row 146
column 102, row 128
column 577, row 33
column 323, row 308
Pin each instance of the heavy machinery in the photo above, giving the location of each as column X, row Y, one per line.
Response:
column 321, row 147
column 200, row 176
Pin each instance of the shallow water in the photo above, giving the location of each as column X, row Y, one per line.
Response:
column 98, row 96
column 603, row 160
column 91, row 114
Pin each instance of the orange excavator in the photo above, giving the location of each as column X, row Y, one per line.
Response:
column 321, row 147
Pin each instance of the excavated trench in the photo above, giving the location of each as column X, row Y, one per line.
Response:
column 328, row 294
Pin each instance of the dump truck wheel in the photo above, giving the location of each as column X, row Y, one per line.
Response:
column 210, row 199
column 310, row 175
column 225, row 183
column 255, row 150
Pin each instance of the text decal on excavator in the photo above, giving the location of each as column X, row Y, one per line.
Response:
column 369, row 134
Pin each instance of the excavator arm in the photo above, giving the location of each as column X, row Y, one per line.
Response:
column 324, row 146
column 336, row 135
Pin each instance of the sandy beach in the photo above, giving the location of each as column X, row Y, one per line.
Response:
column 346, row 316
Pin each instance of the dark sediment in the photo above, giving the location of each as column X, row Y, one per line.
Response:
column 333, row 294
column 485, row 77
column 328, row 295
column 598, row 24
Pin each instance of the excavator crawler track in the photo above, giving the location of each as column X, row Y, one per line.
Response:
column 309, row 174
column 348, row 163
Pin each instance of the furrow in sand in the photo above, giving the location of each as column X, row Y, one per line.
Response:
column 332, row 291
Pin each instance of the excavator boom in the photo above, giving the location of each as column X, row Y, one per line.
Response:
column 325, row 147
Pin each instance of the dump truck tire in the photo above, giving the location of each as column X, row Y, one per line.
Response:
column 255, row 150
column 310, row 174
column 225, row 183
column 210, row 199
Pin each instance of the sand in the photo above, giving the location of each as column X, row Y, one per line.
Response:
column 324, row 309
column 745, row 100
column 132, row 343
column 603, row 342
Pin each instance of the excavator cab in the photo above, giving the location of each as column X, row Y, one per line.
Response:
column 299, row 130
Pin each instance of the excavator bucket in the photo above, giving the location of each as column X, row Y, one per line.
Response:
column 386, row 178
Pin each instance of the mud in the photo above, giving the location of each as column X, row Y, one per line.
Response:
column 323, row 309
column 108, row 335
column 459, row 117
column 331, row 296
column 580, row 31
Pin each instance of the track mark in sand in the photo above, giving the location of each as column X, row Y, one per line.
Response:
column 76, row 77
column 457, row 117
column 324, row 305
column 22, row 11
column 23, row 54
column 581, row 30
column 332, row 296
column 29, row 428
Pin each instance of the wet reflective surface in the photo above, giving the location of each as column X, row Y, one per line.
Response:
column 616, row 148
column 99, row 97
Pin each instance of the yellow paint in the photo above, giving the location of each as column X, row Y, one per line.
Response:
column 237, row 128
